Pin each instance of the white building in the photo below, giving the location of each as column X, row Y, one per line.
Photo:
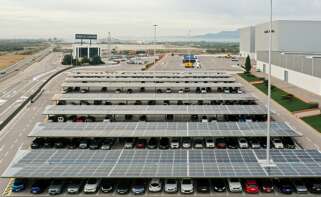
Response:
column 296, row 51
column 85, row 50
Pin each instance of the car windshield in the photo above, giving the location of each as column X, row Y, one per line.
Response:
column 277, row 140
column 234, row 180
column 171, row 181
column 186, row 181
column 92, row 181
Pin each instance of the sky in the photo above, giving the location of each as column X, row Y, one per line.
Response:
column 135, row 18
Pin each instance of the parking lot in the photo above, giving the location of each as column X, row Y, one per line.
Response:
column 127, row 137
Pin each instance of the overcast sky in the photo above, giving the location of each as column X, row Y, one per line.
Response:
column 63, row 18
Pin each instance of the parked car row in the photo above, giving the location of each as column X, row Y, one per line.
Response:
column 184, row 186
column 162, row 143
column 199, row 90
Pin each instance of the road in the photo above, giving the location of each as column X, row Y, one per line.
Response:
column 17, row 88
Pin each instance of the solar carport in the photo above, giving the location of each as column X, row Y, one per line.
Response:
column 155, row 109
column 161, row 129
column 238, row 163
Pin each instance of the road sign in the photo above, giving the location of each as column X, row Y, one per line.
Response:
column 86, row 36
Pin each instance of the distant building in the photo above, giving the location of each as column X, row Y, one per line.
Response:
column 86, row 50
column 296, row 51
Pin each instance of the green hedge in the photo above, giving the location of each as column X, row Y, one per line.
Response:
column 314, row 121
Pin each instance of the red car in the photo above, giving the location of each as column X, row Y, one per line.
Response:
column 80, row 119
column 251, row 187
column 140, row 143
column 267, row 186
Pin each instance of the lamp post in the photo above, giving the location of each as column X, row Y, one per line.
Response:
column 155, row 26
column 270, row 31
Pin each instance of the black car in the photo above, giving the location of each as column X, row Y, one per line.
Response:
column 219, row 185
column 59, row 143
column 285, row 186
column 152, row 143
column 37, row 143
column 123, row 187
column 94, row 144
column 164, row 143
column 231, row 143
column 47, row 143
column 106, row 186
column 314, row 186
column 288, row 143
column 73, row 143
column 203, row 185
column 39, row 186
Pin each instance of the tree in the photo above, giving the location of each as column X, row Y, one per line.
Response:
column 248, row 65
column 96, row 60
column 67, row 59
column 85, row 60
column 76, row 62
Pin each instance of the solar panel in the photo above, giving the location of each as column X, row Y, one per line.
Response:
column 161, row 129
column 151, row 96
column 161, row 163
column 155, row 109
column 151, row 85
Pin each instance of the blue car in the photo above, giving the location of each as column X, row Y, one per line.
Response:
column 285, row 187
column 38, row 187
column 18, row 185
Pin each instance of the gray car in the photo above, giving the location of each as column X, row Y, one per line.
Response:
column 56, row 187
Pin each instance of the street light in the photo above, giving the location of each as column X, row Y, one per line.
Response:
column 270, row 31
column 155, row 26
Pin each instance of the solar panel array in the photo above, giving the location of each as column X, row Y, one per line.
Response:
column 131, row 79
column 152, row 85
column 151, row 96
column 161, row 129
column 155, row 109
column 163, row 163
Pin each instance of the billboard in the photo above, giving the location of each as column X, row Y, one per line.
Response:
column 86, row 36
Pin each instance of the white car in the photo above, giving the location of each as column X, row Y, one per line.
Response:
column 171, row 186
column 186, row 142
column 209, row 143
column 181, row 91
column 239, row 91
column 203, row 91
column 155, row 185
column 234, row 185
column 243, row 143
column 226, row 91
column 168, row 90
column 277, row 143
column 91, row 185
column 199, row 143
column 187, row 186
column 83, row 91
column 175, row 143
column 129, row 143
column 204, row 119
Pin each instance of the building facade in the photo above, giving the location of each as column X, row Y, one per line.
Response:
column 85, row 50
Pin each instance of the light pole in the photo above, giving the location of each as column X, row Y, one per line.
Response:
column 270, row 31
column 155, row 26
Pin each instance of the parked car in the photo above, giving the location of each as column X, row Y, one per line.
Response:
column 18, row 185
column 288, row 143
column 56, row 187
column 37, row 143
column 300, row 187
column 220, row 143
column 107, row 186
column 203, row 185
column 59, row 143
column 171, row 186
column 74, row 186
column 140, row 143
column 155, row 185
column 73, row 143
column 243, row 143
column 107, row 144
column 92, row 185
column 123, row 187
column 186, row 142
column 152, row 143
column 267, row 186
column 187, row 186
column 314, row 186
column 138, row 186
column 219, row 185
column 209, row 143
column 47, row 143
column 199, row 143
column 83, row 144
column 251, row 187
column 175, row 143
column 164, row 143
column 277, row 143
column 284, row 186
column 232, row 143
column 255, row 144
column 39, row 186
column 234, row 185
column 129, row 143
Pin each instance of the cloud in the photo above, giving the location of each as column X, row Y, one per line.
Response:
column 62, row 18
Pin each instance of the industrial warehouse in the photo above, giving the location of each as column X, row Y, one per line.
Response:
column 160, row 132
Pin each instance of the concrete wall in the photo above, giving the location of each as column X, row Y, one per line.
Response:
column 294, row 36
column 247, row 41
column 299, row 79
